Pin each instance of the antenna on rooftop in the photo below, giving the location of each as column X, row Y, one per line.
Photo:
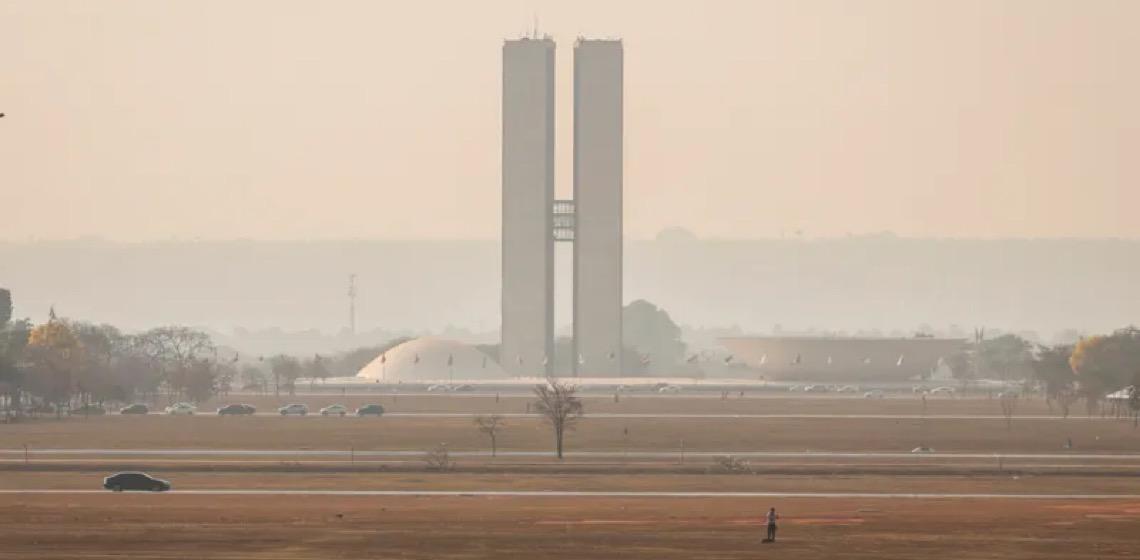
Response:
column 352, row 303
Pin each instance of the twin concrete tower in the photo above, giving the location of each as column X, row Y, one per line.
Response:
column 533, row 220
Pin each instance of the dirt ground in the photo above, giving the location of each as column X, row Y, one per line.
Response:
column 444, row 528
column 592, row 434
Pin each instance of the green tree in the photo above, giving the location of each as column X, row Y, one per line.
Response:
column 653, row 333
column 961, row 366
column 54, row 356
column 1105, row 364
column 286, row 370
column 1051, row 368
column 1007, row 356
column 5, row 307
column 176, row 351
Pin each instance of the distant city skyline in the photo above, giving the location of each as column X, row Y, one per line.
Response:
column 286, row 119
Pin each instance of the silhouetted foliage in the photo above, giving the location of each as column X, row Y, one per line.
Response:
column 559, row 406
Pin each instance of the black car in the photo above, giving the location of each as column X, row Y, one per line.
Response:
column 237, row 410
column 371, row 409
column 135, row 482
column 134, row 409
column 87, row 410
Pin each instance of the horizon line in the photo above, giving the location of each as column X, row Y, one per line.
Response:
column 693, row 238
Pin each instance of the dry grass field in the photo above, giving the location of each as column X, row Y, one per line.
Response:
column 592, row 434
column 104, row 526
column 281, row 527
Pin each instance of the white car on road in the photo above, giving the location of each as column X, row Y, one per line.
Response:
column 669, row 389
column 181, row 408
column 875, row 394
column 293, row 410
column 335, row 409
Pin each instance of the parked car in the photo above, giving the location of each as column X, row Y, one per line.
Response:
column 469, row 388
column 237, row 410
column 334, row 409
column 294, row 409
column 669, row 389
column 1008, row 395
column 874, row 394
column 87, row 410
column 134, row 409
column 815, row 389
column 370, row 410
column 440, row 388
column 181, row 409
column 136, row 482
column 848, row 389
column 942, row 391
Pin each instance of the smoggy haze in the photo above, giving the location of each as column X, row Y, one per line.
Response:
column 287, row 119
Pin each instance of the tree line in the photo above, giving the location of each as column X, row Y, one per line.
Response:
column 63, row 363
column 1066, row 374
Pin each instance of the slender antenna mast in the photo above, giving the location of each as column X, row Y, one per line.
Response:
column 352, row 303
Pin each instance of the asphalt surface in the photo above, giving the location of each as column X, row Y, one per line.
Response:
column 211, row 414
column 346, row 453
column 565, row 494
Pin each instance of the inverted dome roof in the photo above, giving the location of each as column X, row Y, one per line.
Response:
column 433, row 359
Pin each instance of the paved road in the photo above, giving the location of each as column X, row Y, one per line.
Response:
column 32, row 452
column 654, row 415
column 562, row 494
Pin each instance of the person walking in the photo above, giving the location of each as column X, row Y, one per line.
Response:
column 772, row 517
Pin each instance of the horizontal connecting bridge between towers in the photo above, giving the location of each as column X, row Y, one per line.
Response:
column 565, row 221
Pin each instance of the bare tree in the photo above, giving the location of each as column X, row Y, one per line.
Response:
column 1008, row 408
column 286, row 370
column 439, row 459
column 559, row 406
column 489, row 425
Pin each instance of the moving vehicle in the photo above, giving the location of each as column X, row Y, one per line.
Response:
column 181, row 409
column 294, row 409
column 338, row 409
column 669, row 389
column 1008, row 395
column 370, row 410
column 815, row 389
column 874, row 394
column 87, row 410
column 942, row 391
column 132, row 481
column 440, row 388
column 237, row 410
column 134, row 409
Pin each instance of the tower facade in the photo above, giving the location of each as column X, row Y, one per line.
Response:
column 527, row 331
column 598, row 194
column 533, row 220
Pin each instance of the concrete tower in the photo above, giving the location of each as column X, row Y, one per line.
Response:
column 598, row 171
column 527, row 347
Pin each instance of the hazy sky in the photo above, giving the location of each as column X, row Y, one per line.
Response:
column 270, row 119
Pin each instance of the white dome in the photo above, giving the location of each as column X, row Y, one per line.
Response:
column 427, row 359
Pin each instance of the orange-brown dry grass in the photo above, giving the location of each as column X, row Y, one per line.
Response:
column 1022, row 485
column 654, row 434
column 439, row 528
